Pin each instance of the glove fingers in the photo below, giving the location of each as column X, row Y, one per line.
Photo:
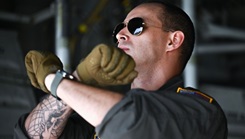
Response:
column 33, row 79
column 129, row 67
column 28, row 64
column 105, row 55
column 90, row 68
column 107, row 80
column 30, row 60
column 104, row 78
column 115, row 59
column 120, row 67
column 107, row 66
column 39, row 65
column 129, row 78
column 99, row 57
column 50, row 64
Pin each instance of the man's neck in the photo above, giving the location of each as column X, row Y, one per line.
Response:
column 151, row 79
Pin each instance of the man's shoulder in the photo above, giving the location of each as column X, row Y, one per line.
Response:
column 195, row 93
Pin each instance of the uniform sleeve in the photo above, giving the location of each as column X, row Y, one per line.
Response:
column 125, row 121
column 76, row 128
column 147, row 115
column 19, row 129
column 129, row 119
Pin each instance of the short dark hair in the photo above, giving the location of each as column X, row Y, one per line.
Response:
column 173, row 18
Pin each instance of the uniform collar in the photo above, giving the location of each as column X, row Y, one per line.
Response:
column 173, row 84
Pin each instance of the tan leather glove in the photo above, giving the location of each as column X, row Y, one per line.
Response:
column 39, row 65
column 107, row 66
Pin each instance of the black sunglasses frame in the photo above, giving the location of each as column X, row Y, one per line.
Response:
column 135, row 26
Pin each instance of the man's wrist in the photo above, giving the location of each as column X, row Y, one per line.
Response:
column 48, row 80
column 75, row 74
column 59, row 76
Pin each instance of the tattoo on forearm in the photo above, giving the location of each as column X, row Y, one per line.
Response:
column 48, row 119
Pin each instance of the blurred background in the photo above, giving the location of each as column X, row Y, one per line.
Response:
column 71, row 28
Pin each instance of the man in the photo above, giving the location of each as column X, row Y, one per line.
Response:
column 160, row 38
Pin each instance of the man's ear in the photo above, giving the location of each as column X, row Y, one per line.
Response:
column 175, row 40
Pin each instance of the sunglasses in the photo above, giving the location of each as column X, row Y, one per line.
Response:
column 135, row 27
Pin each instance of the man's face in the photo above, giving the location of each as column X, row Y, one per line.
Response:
column 148, row 47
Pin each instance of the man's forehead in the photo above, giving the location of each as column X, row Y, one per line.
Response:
column 145, row 11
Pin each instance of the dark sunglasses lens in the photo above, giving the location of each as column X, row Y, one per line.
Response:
column 116, row 30
column 135, row 26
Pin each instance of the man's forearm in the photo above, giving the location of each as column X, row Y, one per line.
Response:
column 89, row 102
column 48, row 119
